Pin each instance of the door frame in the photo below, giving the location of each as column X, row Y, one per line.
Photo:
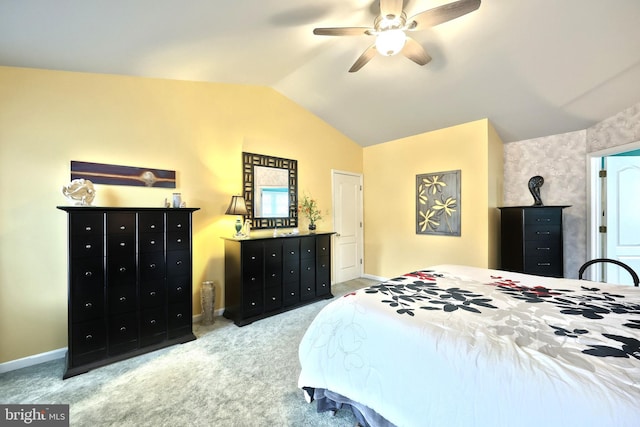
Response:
column 594, row 205
column 360, row 241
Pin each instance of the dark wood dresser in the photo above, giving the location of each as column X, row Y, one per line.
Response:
column 129, row 283
column 267, row 276
column 531, row 240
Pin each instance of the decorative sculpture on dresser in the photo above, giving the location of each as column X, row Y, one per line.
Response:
column 80, row 191
column 534, row 186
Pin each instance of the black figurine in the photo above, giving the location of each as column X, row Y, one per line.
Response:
column 534, row 186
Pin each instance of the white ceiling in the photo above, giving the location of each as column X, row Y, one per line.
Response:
column 533, row 67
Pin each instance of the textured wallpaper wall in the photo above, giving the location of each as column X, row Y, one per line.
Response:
column 561, row 160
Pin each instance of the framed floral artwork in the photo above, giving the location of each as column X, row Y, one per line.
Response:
column 438, row 203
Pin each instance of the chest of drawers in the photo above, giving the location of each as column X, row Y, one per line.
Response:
column 266, row 276
column 129, row 283
column 531, row 240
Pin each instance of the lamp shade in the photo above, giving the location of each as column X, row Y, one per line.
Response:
column 237, row 206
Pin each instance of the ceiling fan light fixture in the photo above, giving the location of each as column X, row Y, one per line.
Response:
column 390, row 42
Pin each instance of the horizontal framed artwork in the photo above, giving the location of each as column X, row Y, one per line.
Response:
column 99, row 173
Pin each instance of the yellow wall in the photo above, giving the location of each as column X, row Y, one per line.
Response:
column 48, row 118
column 392, row 246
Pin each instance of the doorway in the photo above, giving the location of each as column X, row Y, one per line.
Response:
column 348, row 225
column 614, row 225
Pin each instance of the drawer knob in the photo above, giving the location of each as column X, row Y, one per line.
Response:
column 123, row 244
column 152, row 226
column 273, row 254
column 179, row 289
column 293, row 294
column 543, row 249
column 308, row 251
column 152, row 321
column 543, row 219
column 123, row 328
column 87, row 228
column 179, row 240
column 87, row 246
column 122, row 227
column 308, row 268
column 309, row 289
column 179, row 262
column 253, row 258
column 123, row 299
column 324, row 249
column 123, row 269
column 544, row 264
column 291, row 272
column 253, row 304
column 178, row 225
column 179, row 315
column 152, row 293
column 88, row 274
column 88, row 305
column 153, row 242
column 273, row 274
column 543, row 232
column 324, row 285
column 273, row 298
column 253, row 279
column 89, row 337
column 152, row 266
column 293, row 252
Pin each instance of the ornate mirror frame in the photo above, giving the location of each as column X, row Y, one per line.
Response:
column 249, row 160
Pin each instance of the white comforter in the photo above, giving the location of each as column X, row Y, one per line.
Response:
column 462, row 346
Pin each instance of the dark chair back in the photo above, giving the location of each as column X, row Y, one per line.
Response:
column 634, row 276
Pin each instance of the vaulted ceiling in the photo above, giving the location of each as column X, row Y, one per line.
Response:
column 533, row 67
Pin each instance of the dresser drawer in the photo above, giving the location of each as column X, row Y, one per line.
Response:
column 151, row 242
column 121, row 222
column 87, row 245
column 273, row 253
column 121, row 245
column 542, row 216
column 273, row 275
column 87, row 303
column 178, row 289
column 291, row 294
column 89, row 337
column 178, row 240
column 323, row 276
column 253, row 302
column 122, row 299
column 307, row 247
column 177, row 221
column 150, row 222
column 308, row 270
column 543, row 266
column 542, row 232
column 123, row 333
column 323, row 246
column 152, row 266
column 549, row 249
column 153, row 323
column 179, row 315
column 178, row 263
column 273, row 298
column 291, row 250
column 89, row 223
column 153, row 293
column 121, row 270
column 89, row 272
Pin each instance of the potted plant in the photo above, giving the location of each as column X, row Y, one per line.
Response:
column 309, row 208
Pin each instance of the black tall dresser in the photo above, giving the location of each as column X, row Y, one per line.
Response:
column 531, row 240
column 129, row 283
column 270, row 275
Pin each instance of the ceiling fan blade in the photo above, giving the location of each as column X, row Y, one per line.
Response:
column 364, row 58
column 343, row 31
column 440, row 14
column 415, row 52
column 390, row 7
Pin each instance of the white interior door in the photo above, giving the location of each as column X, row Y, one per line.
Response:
column 347, row 220
column 622, row 211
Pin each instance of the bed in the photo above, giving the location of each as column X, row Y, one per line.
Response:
column 462, row 346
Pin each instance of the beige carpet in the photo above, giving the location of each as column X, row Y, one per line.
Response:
column 229, row 376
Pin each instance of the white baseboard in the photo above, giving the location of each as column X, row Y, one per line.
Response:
column 372, row 277
column 36, row 359
column 32, row 360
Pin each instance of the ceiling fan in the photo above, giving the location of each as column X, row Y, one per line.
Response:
column 391, row 26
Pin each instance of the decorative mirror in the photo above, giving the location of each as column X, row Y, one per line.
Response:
column 270, row 190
